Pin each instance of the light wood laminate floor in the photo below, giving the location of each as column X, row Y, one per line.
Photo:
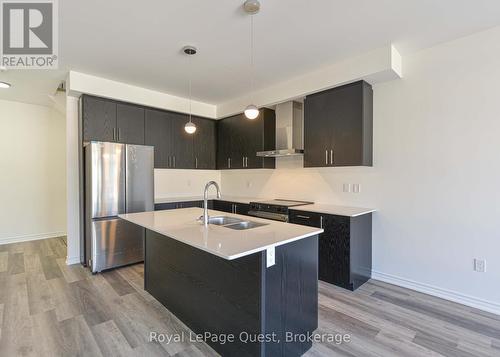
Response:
column 50, row 309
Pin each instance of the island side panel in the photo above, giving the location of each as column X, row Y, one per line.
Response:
column 206, row 292
column 361, row 250
column 291, row 296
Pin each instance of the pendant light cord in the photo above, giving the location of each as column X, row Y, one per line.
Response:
column 190, row 79
column 251, row 60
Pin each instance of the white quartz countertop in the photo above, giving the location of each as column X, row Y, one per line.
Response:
column 347, row 211
column 334, row 210
column 182, row 225
column 236, row 199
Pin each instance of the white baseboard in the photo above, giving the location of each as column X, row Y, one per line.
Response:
column 27, row 238
column 454, row 296
column 72, row 260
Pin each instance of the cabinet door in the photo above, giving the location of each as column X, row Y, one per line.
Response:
column 182, row 143
column 238, row 136
column 317, row 130
column 346, row 108
column 305, row 218
column 204, row 143
column 165, row 206
column 242, row 208
column 253, row 141
column 334, row 251
column 223, row 206
column 224, row 141
column 99, row 119
column 130, row 123
column 157, row 134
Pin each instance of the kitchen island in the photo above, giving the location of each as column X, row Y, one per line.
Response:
column 250, row 292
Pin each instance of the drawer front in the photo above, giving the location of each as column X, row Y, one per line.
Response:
column 305, row 218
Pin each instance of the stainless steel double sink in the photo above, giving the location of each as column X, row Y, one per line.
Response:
column 234, row 223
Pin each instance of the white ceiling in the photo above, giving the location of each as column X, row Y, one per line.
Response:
column 140, row 42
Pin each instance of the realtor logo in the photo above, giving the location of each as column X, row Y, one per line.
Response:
column 29, row 34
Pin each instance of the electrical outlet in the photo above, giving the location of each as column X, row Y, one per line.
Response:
column 347, row 187
column 480, row 265
column 356, row 188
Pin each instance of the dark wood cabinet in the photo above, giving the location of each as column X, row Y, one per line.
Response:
column 338, row 126
column 98, row 119
column 231, row 207
column 111, row 121
column 182, row 204
column 344, row 249
column 223, row 206
column 181, row 150
column 231, row 143
column 130, row 124
column 205, row 143
column 176, row 148
column 239, row 139
column 157, row 134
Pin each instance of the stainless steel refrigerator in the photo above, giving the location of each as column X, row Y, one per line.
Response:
column 119, row 179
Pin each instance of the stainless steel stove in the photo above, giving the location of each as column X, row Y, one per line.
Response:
column 276, row 210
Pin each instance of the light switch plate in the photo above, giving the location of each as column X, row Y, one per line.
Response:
column 270, row 257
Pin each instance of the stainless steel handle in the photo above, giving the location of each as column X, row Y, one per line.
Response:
column 174, row 161
column 331, row 157
column 321, row 222
column 114, row 133
column 243, row 158
column 229, row 162
column 326, row 157
column 246, row 161
column 301, row 216
column 196, row 162
column 170, row 161
column 119, row 131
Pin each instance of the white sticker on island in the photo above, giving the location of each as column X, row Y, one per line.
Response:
column 270, row 257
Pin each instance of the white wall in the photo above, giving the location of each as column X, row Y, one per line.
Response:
column 182, row 183
column 78, row 83
column 72, row 180
column 435, row 176
column 32, row 178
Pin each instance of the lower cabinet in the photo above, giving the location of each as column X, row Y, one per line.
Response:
column 231, row 207
column 344, row 249
column 186, row 204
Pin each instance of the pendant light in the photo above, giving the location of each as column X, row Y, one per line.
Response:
column 251, row 7
column 190, row 127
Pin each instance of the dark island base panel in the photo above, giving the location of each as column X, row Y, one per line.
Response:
column 211, row 294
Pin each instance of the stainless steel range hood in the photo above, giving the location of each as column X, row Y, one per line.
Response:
column 289, row 131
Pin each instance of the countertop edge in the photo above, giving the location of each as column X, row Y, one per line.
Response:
column 317, row 231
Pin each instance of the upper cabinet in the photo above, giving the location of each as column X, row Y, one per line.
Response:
column 107, row 120
column 98, row 119
column 130, row 124
column 239, row 139
column 157, row 134
column 228, row 143
column 176, row 149
column 338, row 126
column 204, row 143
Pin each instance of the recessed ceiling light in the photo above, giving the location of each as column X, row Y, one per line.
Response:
column 4, row 85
